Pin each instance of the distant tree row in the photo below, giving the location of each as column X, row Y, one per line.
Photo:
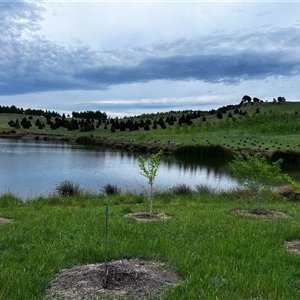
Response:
column 89, row 114
column 248, row 99
column 131, row 124
column 34, row 112
column 88, row 124
column 39, row 112
column 73, row 124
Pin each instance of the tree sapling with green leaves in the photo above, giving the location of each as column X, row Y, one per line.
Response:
column 149, row 169
column 256, row 174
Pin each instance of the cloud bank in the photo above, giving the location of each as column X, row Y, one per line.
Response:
column 30, row 62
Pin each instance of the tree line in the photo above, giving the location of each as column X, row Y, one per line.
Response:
column 34, row 112
column 248, row 99
column 45, row 113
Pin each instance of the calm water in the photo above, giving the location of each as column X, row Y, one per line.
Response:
column 33, row 168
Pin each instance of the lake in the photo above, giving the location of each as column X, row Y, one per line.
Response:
column 32, row 168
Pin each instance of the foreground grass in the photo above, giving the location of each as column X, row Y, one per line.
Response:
column 218, row 255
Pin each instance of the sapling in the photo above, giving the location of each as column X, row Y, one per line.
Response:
column 255, row 173
column 149, row 169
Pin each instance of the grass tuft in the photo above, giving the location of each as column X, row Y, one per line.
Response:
column 110, row 189
column 204, row 189
column 181, row 189
column 68, row 188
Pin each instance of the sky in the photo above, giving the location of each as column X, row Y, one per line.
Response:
column 126, row 58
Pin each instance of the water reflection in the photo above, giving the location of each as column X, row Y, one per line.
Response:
column 33, row 168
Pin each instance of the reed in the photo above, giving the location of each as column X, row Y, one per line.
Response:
column 110, row 189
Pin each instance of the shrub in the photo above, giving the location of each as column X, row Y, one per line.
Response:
column 110, row 189
column 181, row 189
column 68, row 188
column 288, row 192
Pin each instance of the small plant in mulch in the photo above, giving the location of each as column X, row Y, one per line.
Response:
column 260, row 213
column 149, row 170
column 120, row 279
column 126, row 279
column 143, row 216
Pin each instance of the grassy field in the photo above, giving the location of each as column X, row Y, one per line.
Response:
column 218, row 255
column 266, row 127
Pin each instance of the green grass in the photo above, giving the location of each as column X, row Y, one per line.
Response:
column 219, row 255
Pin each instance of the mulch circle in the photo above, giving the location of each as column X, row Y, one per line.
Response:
column 293, row 246
column 260, row 213
column 5, row 221
column 133, row 279
column 145, row 216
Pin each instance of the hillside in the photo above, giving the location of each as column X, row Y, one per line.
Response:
column 262, row 127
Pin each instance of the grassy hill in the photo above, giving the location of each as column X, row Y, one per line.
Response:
column 264, row 127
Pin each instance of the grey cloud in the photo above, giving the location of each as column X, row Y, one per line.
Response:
column 215, row 68
column 29, row 63
column 19, row 16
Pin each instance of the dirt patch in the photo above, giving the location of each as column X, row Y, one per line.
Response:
column 260, row 213
column 145, row 216
column 133, row 279
column 293, row 246
column 5, row 221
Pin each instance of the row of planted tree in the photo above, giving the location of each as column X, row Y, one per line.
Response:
column 257, row 123
column 82, row 121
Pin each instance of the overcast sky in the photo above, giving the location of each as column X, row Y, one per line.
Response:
column 126, row 58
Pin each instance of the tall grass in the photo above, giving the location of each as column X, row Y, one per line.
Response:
column 219, row 255
column 8, row 199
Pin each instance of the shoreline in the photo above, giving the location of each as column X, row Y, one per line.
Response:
column 115, row 144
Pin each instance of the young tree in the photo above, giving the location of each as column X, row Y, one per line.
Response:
column 256, row 173
column 149, row 169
